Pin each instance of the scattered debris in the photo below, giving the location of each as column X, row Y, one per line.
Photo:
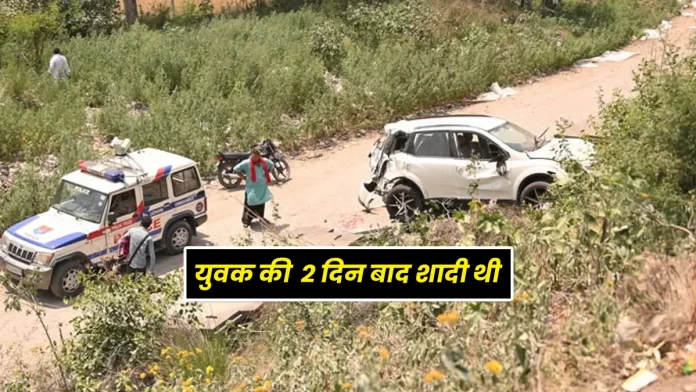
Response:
column 688, row 14
column 610, row 55
column 639, row 380
column 495, row 94
column 656, row 33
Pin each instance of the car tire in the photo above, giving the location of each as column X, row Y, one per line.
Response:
column 402, row 202
column 178, row 237
column 64, row 281
column 531, row 193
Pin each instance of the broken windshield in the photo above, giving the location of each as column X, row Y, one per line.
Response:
column 79, row 202
column 515, row 137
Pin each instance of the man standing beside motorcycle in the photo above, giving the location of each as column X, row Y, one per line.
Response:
column 256, row 173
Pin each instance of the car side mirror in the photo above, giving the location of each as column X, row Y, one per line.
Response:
column 498, row 155
column 111, row 218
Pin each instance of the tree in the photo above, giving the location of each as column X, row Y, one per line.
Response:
column 131, row 10
column 31, row 30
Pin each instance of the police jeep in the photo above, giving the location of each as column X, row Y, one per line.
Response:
column 94, row 207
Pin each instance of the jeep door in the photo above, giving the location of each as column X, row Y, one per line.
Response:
column 430, row 158
column 157, row 203
column 124, row 206
column 478, row 175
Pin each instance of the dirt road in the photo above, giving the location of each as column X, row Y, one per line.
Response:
column 323, row 191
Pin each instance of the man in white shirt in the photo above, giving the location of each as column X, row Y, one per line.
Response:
column 58, row 67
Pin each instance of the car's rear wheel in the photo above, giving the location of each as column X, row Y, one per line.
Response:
column 403, row 202
column 64, row 282
column 532, row 193
column 178, row 237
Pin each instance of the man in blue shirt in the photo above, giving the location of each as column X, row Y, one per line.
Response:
column 256, row 172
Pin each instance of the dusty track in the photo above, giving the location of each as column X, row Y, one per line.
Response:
column 323, row 191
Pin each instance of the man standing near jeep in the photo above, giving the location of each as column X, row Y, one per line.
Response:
column 141, row 249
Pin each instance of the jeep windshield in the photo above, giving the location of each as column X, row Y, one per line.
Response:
column 79, row 202
column 515, row 137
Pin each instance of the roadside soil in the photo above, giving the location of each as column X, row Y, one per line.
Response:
column 323, row 191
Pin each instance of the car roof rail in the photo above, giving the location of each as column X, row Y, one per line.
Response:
column 445, row 116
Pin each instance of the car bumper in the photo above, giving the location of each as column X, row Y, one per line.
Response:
column 367, row 197
column 17, row 270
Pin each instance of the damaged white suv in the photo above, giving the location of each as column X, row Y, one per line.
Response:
column 464, row 157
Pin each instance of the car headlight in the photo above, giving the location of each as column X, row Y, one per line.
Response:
column 43, row 258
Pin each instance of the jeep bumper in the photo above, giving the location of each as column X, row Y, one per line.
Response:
column 17, row 270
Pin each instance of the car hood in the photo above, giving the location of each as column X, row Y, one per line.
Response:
column 52, row 230
column 569, row 147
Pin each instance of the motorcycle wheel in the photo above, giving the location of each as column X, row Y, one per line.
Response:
column 284, row 174
column 228, row 183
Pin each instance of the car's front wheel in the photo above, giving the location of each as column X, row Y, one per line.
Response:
column 532, row 193
column 65, row 282
column 403, row 202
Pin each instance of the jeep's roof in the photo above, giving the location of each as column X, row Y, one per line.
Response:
column 148, row 164
column 483, row 122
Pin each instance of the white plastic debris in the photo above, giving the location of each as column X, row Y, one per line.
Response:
column 638, row 381
column 688, row 14
column 656, row 33
column 496, row 93
column 615, row 56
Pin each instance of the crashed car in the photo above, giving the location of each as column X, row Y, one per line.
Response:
column 464, row 157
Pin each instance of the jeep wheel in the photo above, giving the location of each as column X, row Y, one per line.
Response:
column 403, row 202
column 178, row 237
column 64, row 282
column 531, row 194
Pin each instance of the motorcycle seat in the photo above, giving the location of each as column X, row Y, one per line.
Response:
column 235, row 155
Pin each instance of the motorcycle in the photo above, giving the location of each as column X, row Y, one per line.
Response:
column 228, row 160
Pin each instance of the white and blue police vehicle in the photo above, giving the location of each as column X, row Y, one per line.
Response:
column 94, row 207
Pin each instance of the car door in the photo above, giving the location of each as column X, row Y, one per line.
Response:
column 157, row 204
column 431, row 159
column 478, row 175
column 124, row 206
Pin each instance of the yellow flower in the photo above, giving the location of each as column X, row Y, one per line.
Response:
column 257, row 378
column 363, row 331
column 300, row 324
column 384, row 353
column 128, row 388
column 172, row 375
column 267, row 384
column 237, row 358
column 143, row 375
column 198, row 350
column 209, row 370
column 208, row 380
column 154, row 369
column 187, row 382
column 168, row 357
column 334, row 324
column 434, row 375
column 494, row 367
column 347, row 385
column 190, row 389
column 189, row 366
column 238, row 388
column 182, row 361
column 260, row 389
column 644, row 195
column 327, row 332
column 166, row 351
column 449, row 318
column 182, row 354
